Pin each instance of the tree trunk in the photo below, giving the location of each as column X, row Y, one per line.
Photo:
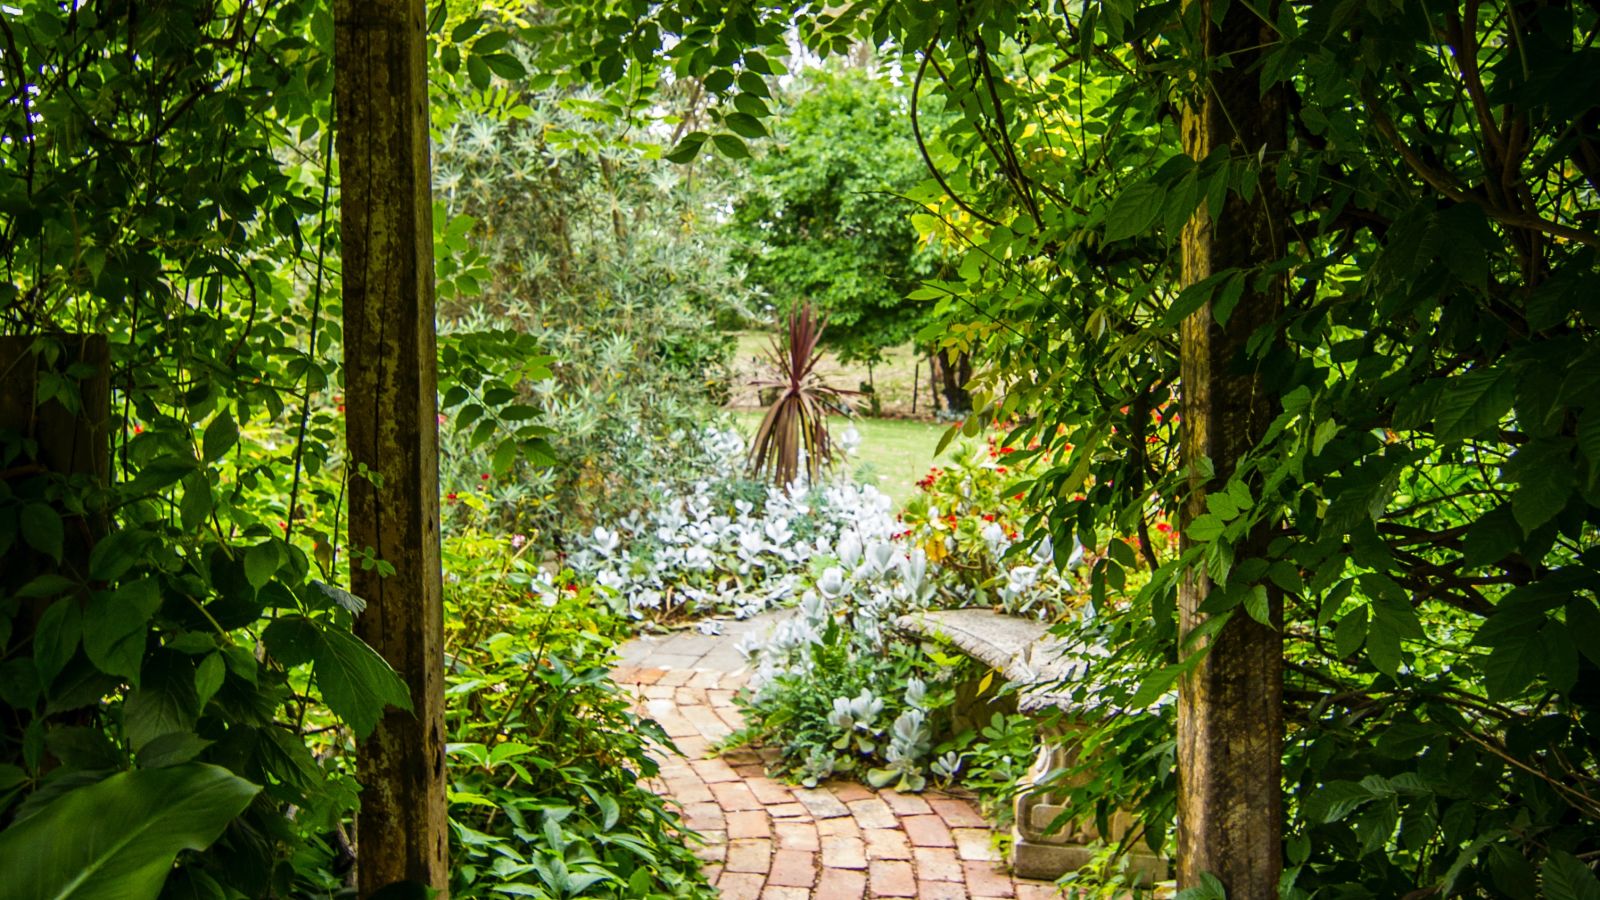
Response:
column 1230, row 716
column 392, row 427
column 955, row 370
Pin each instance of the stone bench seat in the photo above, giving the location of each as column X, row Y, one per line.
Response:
column 1025, row 653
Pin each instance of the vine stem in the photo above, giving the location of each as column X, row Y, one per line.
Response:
column 316, row 318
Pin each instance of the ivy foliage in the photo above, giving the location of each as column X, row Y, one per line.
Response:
column 1428, row 481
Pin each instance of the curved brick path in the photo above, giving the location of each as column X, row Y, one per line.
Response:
column 766, row 840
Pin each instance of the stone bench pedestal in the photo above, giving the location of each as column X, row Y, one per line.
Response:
column 1023, row 652
column 1038, row 852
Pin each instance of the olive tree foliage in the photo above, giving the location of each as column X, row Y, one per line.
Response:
column 823, row 217
column 612, row 261
column 1430, row 484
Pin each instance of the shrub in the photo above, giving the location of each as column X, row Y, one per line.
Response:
column 547, row 760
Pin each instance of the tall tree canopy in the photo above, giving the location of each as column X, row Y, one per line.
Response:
column 823, row 217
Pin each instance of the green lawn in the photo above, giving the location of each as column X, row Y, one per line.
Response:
column 896, row 452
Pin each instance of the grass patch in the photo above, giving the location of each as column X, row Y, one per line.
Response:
column 894, row 453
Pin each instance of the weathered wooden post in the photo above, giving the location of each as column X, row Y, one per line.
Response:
column 1230, row 709
column 381, row 95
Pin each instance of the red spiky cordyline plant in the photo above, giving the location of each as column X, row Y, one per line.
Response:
column 799, row 417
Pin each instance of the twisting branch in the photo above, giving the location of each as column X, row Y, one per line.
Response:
column 1446, row 185
column 922, row 147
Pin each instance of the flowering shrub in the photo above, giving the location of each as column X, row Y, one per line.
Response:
column 969, row 521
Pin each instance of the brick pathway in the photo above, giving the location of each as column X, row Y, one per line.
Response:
column 767, row 840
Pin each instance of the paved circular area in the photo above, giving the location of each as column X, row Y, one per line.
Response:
column 766, row 840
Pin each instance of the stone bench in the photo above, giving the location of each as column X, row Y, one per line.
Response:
column 1024, row 653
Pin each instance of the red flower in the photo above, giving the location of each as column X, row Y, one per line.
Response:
column 1016, row 496
column 484, row 476
column 1164, row 528
column 451, row 496
column 1008, row 449
column 1000, row 469
column 988, row 517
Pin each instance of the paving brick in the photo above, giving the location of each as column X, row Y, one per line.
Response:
column 793, row 868
column 872, row 813
column 937, row 864
column 892, row 878
column 788, row 811
column 843, row 827
column 694, row 747
column 796, row 836
column 733, row 796
column 769, row 792
column 927, row 831
column 702, row 816
column 822, row 804
column 749, row 823
column 705, row 679
column 658, row 692
column 749, row 855
column 844, row 853
column 974, row 843
column 847, row 791
column 740, row 886
column 957, row 813
column 841, row 884
column 886, row 843
column 720, row 698
column 713, row 771
column 905, row 804
column 784, row 893
column 687, row 790
column 1036, row 890
column 941, row 890
column 987, row 879
column 675, row 677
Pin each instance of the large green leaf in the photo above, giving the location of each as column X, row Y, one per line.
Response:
column 1472, row 403
column 116, row 839
column 1565, row 877
column 356, row 682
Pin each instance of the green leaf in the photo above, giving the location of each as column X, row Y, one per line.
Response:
column 356, row 682
column 1255, row 604
column 1473, row 403
column 688, row 148
column 55, row 638
column 208, row 677
column 114, row 627
column 1512, row 663
column 41, row 528
column 1545, row 481
column 1134, row 211
column 745, row 124
column 1351, row 632
column 1335, row 800
column 261, row 563
column 730, row 146
column 117, row 839
column 1564, row 877
column 221, row 436
column 1383, row 643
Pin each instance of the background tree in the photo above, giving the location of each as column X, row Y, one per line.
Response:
column 822, row 216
